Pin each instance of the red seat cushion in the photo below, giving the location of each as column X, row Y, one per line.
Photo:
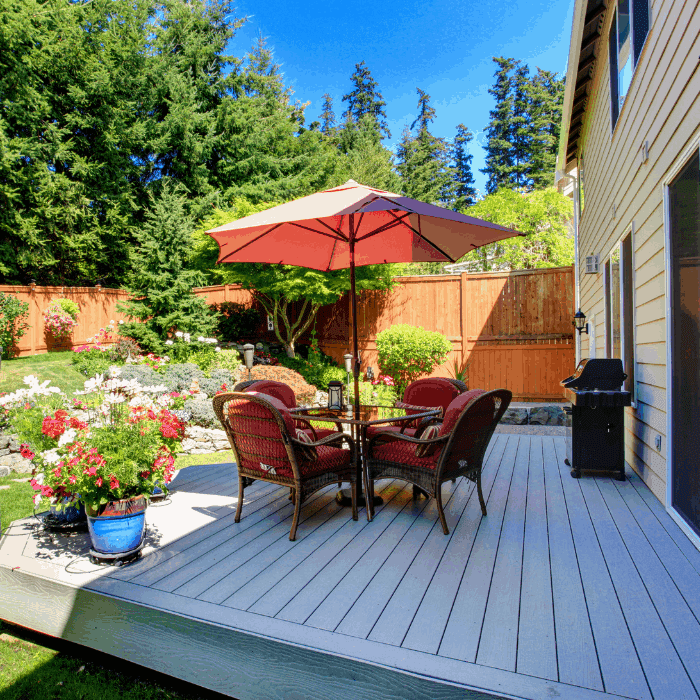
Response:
column 374, row 429
column 404, row 453
column 433, row 391
column 329, row 459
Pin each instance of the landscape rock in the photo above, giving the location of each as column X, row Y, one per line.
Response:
column 547, row 415
column 4, row 441
column 4, row 471
column 515, row 416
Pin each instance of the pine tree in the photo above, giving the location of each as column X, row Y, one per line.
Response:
column 521, row 128
column 160, row 287
column 546, row 98
column 366, row 99
column 423, row 159
column 327, row 116
column 464, row 190
column 499, row 156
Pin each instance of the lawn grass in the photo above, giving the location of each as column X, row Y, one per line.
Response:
column 54, row 366
column 16, row 501
column 34, row 666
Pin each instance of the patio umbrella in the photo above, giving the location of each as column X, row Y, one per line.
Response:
column 353, row 225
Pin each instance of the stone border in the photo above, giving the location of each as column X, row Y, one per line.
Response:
column 552, row 414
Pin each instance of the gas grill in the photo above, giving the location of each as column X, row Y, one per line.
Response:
column 596, row 417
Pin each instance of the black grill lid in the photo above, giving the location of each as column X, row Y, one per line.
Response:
column 602, row 373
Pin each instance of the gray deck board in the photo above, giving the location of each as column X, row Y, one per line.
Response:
column 463, row 630
column 537, row 649
column 428, row 625
column 581, row 589
column 619, row 663
column 663, row 668
column 576, row 654
column 498, row 644
column 681, row 625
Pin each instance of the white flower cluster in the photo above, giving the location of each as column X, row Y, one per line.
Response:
column 34, row 389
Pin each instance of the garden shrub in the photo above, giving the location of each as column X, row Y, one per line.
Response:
column 407, row 352
column 123, row 349
column 60, row 321
column 219, row 377
column 304, row 392
column 235, row 321
column 231, row 360
column 202, row 413
column 91, row 361
column 375, row 395
column 12, row 323
column 318, row 370
column 179, row 377
column 145, row 375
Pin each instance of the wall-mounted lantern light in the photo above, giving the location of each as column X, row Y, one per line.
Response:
column 580, row 322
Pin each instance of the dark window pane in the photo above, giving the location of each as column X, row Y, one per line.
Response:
column 614, row 94
column 640, row 28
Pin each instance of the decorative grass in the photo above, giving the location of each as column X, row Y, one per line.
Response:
column 54, row 366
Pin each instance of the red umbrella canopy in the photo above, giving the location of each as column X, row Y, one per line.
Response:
column 319, row 231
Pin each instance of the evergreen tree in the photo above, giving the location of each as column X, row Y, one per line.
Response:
column 423, row 159
column 499, row 155
column 464, row 190
column 365, row 98
column 327, row 116
column 521, row 129
column 546, row 98
column 160, row 286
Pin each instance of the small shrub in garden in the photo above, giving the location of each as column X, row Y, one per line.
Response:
column 12, row 323
column 317, row 371
column 144, row 375
column 231, row 360
column 375, row 395
column 123, row 349
column 219, row 377
column 407, row 352
column 91, row 361
column 202, row 413
column 179, row 377
column 304, row 392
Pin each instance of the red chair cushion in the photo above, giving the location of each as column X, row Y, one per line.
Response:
column 272, row 388
column 329, row 459
column 404, row 453
column 374, row 429
column 433, row 391
column 279, row 405
column 454, row 410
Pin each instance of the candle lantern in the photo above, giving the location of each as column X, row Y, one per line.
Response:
column 248, row 352
column 335, row 395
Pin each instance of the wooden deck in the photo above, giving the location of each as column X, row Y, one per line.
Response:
column 568, row 588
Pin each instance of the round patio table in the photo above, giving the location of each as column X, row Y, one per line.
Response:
column 368, row 417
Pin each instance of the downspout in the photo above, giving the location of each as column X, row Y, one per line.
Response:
column 577, row 277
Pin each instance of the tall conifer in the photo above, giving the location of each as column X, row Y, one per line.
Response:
column 365, row 98
column 464, row 190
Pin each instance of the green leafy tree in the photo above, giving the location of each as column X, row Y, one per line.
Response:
column 160, row 288
column 13, row 324
column 464, row 189
column 407, row 352
column 499, row 155
column 544, row 215
column 365, row 98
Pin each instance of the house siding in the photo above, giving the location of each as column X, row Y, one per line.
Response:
column 662, row 107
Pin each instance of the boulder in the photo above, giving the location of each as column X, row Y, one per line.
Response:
column 4, row 441
column 547, row 415
column 4, row 471
column 515, row 416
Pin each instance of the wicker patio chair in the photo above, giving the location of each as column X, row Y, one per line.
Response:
column 419, row 395
column 286, row 395
column 458, row 449
column 458, row 383
column 263, row 437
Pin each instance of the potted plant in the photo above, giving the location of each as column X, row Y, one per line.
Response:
column 114, row 460
column 60, row 319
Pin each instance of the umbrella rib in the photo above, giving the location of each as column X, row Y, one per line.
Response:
column 315, row 230
column 337, row 232
column 384, row 227
column 245, row 245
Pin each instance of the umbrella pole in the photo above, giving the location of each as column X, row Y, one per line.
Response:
column 355, row 346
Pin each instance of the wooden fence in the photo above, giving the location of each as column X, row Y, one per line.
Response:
column 513, row 328
column 98, row 306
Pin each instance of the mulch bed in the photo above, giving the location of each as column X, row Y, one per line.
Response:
column 304, row 392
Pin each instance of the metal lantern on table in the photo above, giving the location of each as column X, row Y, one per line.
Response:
column 335, row 395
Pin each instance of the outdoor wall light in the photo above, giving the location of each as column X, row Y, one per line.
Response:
column 370, row 374
column 32, row 284
column 248, row 352
column 335, row 394
column 580, row 322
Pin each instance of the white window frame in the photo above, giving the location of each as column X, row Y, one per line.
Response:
column 675, row 170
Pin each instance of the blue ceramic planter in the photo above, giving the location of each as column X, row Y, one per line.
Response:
column 68, row 514
column 118, row 529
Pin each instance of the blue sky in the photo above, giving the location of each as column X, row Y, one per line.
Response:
column 444, row 47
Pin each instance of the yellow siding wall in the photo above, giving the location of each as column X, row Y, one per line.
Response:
column 663, row 108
